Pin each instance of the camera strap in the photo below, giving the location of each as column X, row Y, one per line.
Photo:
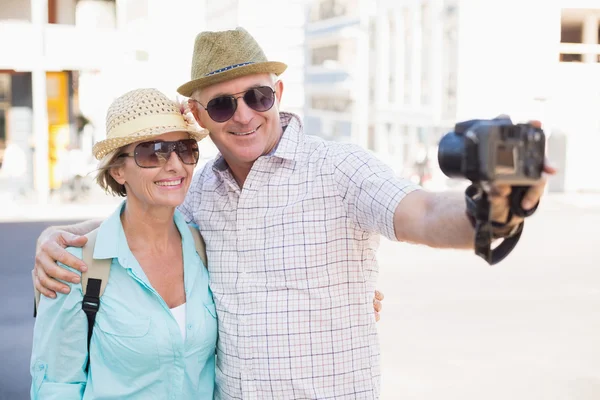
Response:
column 478, row 211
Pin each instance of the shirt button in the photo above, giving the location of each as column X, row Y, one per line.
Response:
column 189, row 326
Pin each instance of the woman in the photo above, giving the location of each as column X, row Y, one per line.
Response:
column 155, row 331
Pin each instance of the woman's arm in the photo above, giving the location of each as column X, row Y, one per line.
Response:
column 59, row 353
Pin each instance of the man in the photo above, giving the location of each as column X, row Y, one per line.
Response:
column 291, row 225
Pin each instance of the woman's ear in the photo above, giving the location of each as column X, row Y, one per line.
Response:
column 118, row 174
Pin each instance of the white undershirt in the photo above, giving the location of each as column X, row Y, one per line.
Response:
column 179, row 314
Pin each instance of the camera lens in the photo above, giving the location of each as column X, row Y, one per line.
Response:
column 451, row 152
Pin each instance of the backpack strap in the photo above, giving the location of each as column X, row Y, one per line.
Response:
column 199, row 242
column 93, row 283
column 36, row 295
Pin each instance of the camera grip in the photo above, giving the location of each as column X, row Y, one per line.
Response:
column 517, row 195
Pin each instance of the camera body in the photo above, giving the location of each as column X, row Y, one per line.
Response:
column 493, row 151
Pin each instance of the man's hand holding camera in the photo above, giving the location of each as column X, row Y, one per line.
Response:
column 507, row 166
column 499, row 197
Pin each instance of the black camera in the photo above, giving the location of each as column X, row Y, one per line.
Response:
column 490, row 152
column 493, row 151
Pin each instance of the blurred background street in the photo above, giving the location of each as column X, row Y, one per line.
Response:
column 391, row 76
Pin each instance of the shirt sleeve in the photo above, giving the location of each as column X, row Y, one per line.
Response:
column 59, row 352
column 369, row 188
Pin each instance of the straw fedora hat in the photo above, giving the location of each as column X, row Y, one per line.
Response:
column 143, row 114
column 225, row 55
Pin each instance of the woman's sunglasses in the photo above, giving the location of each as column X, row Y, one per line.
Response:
column 155, row 154
column 221, row 108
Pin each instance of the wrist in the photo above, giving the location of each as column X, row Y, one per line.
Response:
column 499, row 230
column 506, row 230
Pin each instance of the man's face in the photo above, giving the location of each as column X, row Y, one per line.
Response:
column 248, row 134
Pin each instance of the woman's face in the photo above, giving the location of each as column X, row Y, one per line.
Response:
column 161, row 186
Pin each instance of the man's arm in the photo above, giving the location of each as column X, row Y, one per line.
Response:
column 433, row 219
column 80, row 229
column 440, row 219
column 51, row 248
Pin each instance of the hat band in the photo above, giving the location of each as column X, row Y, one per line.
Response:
column 228, row 68
column 147, row 121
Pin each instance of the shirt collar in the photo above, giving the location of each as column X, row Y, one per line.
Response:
column 290, row 144
column 112, row 243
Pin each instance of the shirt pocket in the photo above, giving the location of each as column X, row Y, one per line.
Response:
column 128, row 346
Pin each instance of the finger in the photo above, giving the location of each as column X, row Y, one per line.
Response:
column 377, row 306
column 534, row 194
column 548, row 168
column 535, row 123
column 46, row 262
column 377, row 317
column 378, row 295
column 51, row 284
column 500, row 191
column 499, row 208
column 53, row 271
column 70, row 240
column 42, row 289
column 73, row 240
column 57, row 253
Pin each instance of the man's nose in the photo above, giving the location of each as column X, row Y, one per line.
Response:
column 243, row 114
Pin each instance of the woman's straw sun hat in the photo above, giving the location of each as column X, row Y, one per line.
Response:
column 141, row 115
column 225, row 55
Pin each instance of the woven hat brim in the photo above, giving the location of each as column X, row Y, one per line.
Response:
column 104, row 147
column 267, row 67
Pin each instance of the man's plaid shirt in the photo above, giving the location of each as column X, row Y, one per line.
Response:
column 293, row 268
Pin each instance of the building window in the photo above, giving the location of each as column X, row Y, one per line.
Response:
column 579, row 35
column 15, row 10
column 328, row 9
column 321, row 56
column 328, row 103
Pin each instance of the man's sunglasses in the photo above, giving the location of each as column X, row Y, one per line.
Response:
column 155, row 154
column 222, row 108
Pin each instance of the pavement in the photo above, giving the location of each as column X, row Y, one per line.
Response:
column 61, row 205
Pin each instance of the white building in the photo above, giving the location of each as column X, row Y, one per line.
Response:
column 540, row 60
column 434, row 62
column 390, row 75
column 382, row 74
column 62, row 59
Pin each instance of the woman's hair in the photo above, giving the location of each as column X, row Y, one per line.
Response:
column 103, row 176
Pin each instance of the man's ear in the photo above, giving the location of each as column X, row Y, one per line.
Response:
column 195, row 109
column 279, row 91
